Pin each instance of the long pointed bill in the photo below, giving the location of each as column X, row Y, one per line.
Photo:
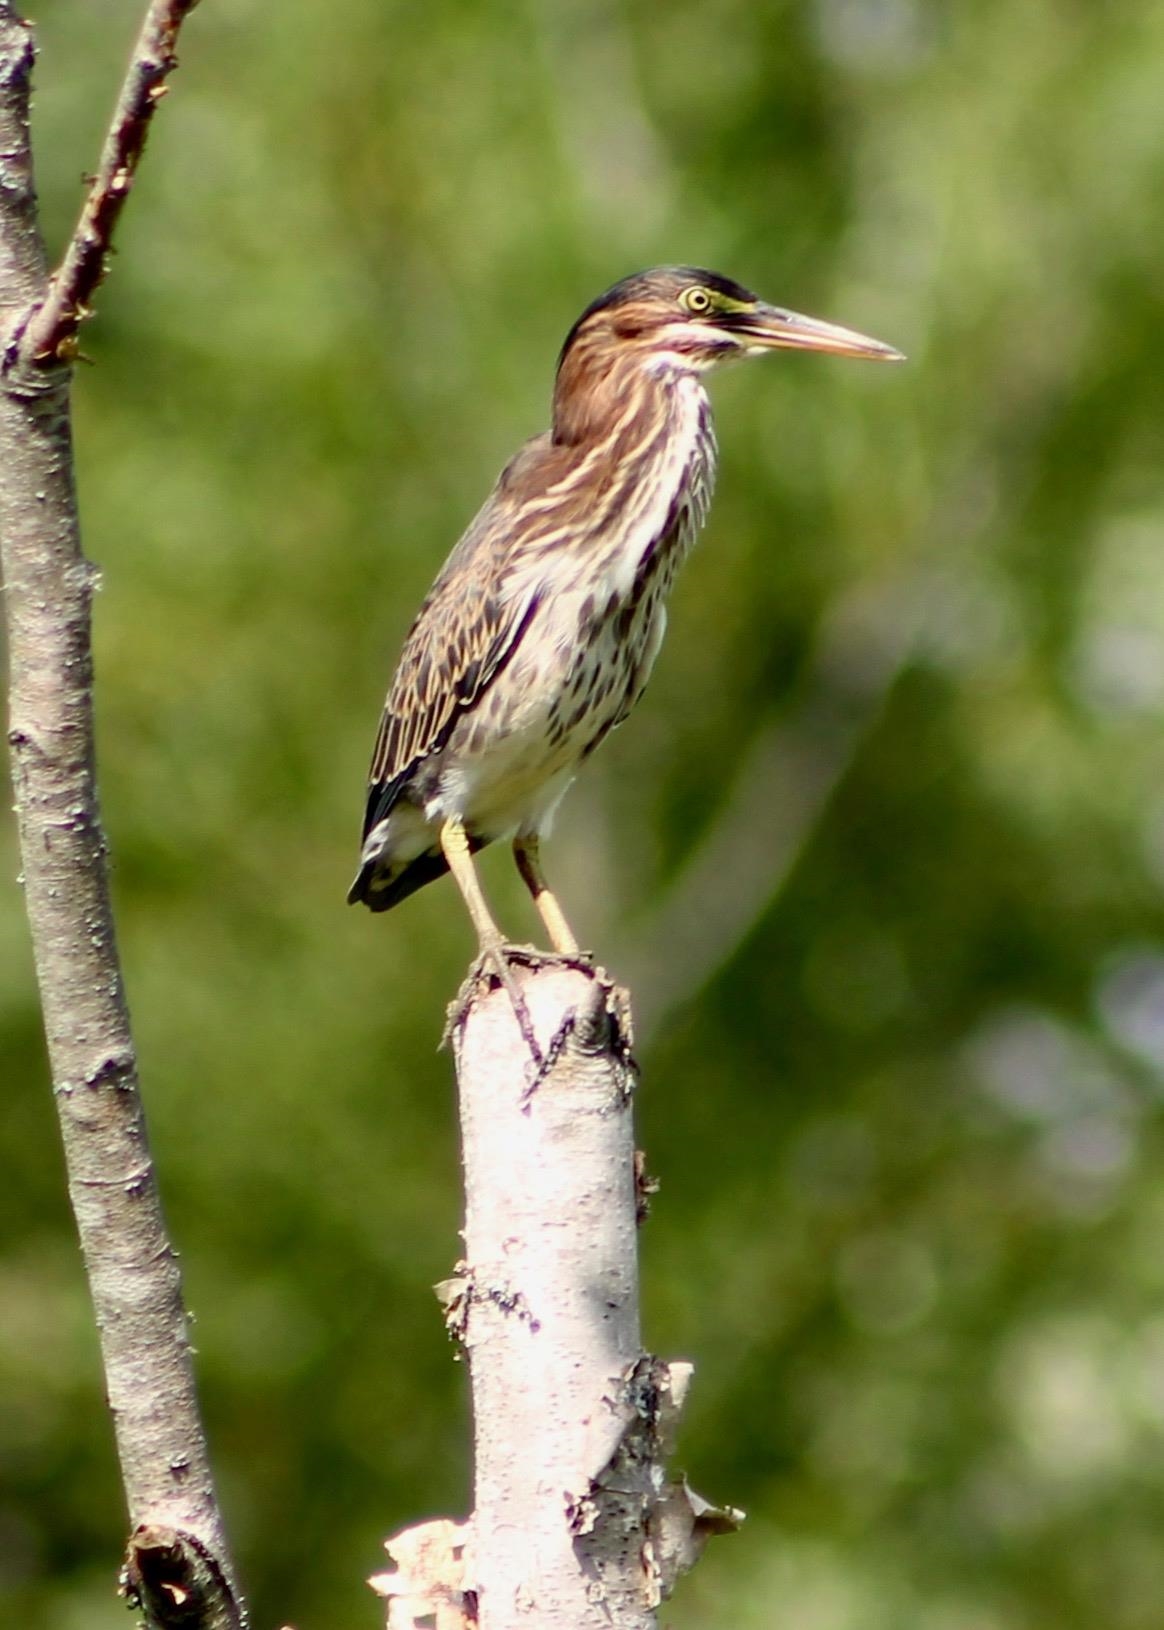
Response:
column 770, row 328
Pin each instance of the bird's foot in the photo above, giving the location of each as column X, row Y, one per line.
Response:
column 492, row 966
column 617, row 996
column 529, row 956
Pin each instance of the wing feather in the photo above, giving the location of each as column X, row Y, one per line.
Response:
column 490, row 587
column 465, row 632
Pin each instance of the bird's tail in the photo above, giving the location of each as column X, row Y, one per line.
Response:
column 381, row 886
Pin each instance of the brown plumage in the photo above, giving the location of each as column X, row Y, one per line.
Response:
column 540, row 632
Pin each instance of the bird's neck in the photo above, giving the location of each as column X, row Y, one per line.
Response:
column 593, row 394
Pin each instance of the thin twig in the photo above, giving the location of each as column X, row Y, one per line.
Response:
column 51, row 332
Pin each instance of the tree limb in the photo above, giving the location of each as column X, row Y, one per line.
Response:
column 577, row 1525
column 179, row 1568
column 52, row 324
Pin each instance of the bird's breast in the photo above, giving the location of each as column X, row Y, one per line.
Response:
column 588, row 648
column 659, row 498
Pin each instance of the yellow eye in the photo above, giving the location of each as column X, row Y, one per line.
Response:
column 696, row 300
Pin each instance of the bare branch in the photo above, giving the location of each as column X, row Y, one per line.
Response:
column 51, row 331
column 180, row 1569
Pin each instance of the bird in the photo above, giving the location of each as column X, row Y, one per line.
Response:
column 540, row 632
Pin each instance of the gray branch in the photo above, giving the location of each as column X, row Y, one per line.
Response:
column 577, row 1524
column 50, row 330
column 178, row 1568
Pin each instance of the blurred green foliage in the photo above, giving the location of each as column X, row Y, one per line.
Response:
column 882, row 851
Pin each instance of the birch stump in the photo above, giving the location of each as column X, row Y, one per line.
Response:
column 577, row 1525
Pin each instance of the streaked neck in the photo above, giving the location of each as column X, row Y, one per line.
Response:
column 593, row 391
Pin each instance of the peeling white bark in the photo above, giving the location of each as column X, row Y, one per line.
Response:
column 576, row 1526
column 550, row 1312
column 427, row 1584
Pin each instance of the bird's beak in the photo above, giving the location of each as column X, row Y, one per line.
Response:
column 770, row 328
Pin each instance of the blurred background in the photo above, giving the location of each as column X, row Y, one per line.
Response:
column 881, row 853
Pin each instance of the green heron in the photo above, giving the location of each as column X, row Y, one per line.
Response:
column 541, row 631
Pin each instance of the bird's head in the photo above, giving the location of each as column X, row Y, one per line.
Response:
column 682, row 319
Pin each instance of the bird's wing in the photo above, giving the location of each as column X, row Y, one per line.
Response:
column 464, row 633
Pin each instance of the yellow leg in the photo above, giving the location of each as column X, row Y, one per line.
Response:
column 527, row 853
column 455, row 848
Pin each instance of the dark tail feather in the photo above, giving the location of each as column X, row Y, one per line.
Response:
column 380, row 890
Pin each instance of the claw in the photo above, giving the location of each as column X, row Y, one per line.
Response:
column 498, row 958
column 492, row 965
